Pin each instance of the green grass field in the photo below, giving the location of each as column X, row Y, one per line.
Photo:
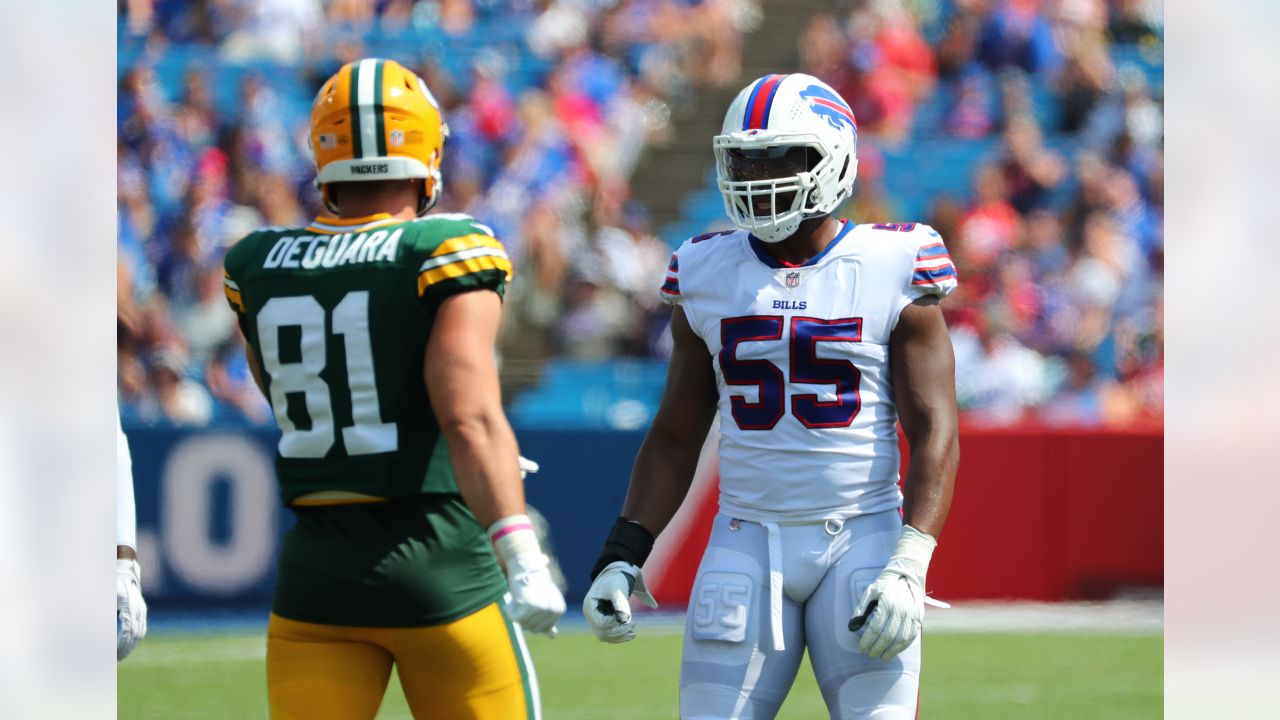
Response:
column 966, row 677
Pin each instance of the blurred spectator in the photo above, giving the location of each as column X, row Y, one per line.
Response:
column 1137, row 21
column 970, row 114
column 997, row 378
column 231, row 382
column 1030, row 171
column 277, row 30
column 1016, row 32
column 1044, row 245
column 958, row 49
column 1085, row 79
column 991, row 224
column 170, row 394
column 1085, row 398
column 877, row 60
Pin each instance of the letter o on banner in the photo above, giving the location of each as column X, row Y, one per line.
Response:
column 190, row 473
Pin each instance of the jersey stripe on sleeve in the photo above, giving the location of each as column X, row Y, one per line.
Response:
column 461, row 256
column 670, row 290
column 933, row 266
column 232, row 291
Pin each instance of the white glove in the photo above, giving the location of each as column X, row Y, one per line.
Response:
column 131, row 611
column 606, row 606
column 535, row 601
column 898, row 596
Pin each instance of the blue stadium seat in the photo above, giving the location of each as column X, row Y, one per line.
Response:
column 619, row 394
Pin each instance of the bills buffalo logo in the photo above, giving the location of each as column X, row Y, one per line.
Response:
column 793, row 279
column 829, row 106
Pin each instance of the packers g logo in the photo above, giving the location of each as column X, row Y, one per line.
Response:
column 829, row 106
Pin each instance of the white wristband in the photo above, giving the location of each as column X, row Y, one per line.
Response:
column 513, row 537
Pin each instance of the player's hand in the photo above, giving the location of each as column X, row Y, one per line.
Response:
column 536, row 602
column 131, row 611
column 607, row 606
column 895, row 600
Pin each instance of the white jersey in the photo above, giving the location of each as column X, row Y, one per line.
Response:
column 808, row 424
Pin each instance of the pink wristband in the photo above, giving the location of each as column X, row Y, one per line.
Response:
column 507, row 530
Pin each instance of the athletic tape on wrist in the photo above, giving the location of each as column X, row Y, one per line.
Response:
column 513, row 535
column 915, row 547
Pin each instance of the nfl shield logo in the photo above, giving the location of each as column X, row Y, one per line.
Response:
column 793, row 279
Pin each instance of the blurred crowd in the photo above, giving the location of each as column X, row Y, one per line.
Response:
column 1058, row 239
column 1059, row 242
column 549, row 103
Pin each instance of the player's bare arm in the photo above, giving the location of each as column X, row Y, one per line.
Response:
column 923, row 367
column 462, row 380
column 659, row 481
column 668, row 456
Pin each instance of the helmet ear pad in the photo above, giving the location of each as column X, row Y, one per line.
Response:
column 433, row 183
column 426, row 200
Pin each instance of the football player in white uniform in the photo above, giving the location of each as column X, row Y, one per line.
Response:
column 813, row 337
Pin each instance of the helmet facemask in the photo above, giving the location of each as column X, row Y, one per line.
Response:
column 770, row 185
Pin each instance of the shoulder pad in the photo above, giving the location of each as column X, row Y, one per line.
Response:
column 693, row 251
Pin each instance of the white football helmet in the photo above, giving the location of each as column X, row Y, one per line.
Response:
column 787, row 152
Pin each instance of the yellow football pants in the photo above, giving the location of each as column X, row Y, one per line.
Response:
column 475, row 668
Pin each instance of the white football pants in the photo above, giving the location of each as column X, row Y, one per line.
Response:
column 765, row 592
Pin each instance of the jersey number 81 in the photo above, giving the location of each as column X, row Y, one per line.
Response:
column 368, row 434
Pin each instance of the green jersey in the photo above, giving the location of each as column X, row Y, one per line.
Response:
column 338, row 315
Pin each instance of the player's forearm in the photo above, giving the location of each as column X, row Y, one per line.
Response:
column 924, row 374
column 485, row 464
column 931, row 475
column 660, row 478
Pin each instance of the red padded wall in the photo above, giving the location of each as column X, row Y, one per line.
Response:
column 1038, row 515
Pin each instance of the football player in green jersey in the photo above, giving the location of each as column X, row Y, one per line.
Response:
column 372, row 333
